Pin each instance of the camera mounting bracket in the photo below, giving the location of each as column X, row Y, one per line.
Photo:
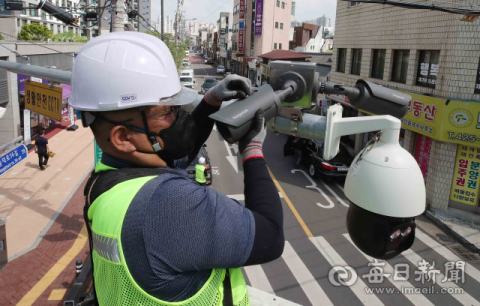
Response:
column 337, row 126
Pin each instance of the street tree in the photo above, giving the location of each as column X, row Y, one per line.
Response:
column 35, row 31
column 178, row 51
column 70, row 37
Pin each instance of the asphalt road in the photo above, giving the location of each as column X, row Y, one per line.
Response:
column 317, row 241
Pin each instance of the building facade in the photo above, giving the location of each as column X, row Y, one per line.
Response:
column 434, row 57
column 224, row 44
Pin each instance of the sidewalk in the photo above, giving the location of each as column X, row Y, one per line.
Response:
column 43, row 215
column 464, row 226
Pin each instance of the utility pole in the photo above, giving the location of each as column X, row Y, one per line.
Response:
column 118, row 17
column 162, row 29
column 176, row 21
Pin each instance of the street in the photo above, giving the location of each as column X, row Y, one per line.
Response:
column 430, row 273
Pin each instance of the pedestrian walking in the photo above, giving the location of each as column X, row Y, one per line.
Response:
column 42, row 149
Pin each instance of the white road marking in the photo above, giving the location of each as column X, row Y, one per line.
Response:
column 338, row 185
column 13, row 173
column 60, row 169
column 334, row 194
column 314, row 186
column 67, row 179
column 312, row 289
column 416, row 299
column 464, row 298
column 25, row 198
column 231, row 158
column 241, row 197
column 258, row 279
column 335, row 260
column 449, row 255
column 214, row 127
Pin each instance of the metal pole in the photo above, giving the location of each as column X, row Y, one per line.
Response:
column 176, row 21
column 56, row 75
column 162, row 29
column 118, row 17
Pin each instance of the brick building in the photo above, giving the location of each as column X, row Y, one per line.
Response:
column 434, row 57
column 302, row 34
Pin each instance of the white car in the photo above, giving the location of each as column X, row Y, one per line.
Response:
column 220, row 69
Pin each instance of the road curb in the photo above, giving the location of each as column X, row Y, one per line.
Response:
column 451, row 232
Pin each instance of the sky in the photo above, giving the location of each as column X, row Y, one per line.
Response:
column 207, row 11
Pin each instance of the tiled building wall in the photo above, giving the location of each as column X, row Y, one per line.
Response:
column 375, row 26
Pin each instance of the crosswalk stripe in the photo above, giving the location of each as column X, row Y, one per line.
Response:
column 464, row 298
column 335, row 260
column 334, row 194
column 312, row 289
column 258, row 279
column 449, row 255
column 241, row 197
column 416, row 299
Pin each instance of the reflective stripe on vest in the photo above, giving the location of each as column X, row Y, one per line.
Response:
column 114, row 284
column 200, row 174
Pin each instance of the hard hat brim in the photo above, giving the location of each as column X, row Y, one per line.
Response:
column 185, row 96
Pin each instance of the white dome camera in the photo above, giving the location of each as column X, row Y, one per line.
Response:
column 384, row 185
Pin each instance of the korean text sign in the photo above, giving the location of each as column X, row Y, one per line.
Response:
column 240, row 40
column 422, row 153
column 44, row 99
column 465, row 177
column 242, row 10
column 259, row 17
column 12, row 158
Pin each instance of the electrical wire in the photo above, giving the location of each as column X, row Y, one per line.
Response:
column 13, row 51
column 37, row 45
column 421, row 6
column 214, row 11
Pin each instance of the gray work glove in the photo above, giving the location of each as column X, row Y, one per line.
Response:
column 251, row 145
column 232, row 87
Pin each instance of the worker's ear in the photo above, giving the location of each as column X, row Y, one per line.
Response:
column 122, row 139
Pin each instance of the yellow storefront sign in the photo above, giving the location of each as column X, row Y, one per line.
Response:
column 445, row 120
column 44, row 99
column 465, row 178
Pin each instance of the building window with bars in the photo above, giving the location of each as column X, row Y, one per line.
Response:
column 356, row 61
column 400, row 66
column 378, row 63
column 341, row 60
column 275, row 46
column 428, row 68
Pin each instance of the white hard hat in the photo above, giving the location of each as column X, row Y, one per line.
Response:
column 125, row 70
column 201, row 160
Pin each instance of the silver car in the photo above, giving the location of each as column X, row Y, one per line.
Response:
column 220, row 69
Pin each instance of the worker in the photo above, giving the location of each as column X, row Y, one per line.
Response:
column 201, row 171
column 157, row 237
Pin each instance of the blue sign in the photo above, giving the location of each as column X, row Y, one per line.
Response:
column 241, row 25
column 10, row 159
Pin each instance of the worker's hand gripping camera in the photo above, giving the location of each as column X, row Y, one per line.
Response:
column 384, row 184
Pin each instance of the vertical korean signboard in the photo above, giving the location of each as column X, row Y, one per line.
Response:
column 241, row 12
column 422, row 153
column 465, row 178
column 258, row 17
column 241, row 32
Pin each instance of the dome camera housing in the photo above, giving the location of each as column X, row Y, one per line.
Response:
column 387, row 191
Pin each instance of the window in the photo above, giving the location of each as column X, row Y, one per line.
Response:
column 51, row 27
column 24, row 22
column 275, row 46
column 18, row 22
column 342, row 59
column 293, row 8
column 276, row 25
column 283, row 5
column 400, row 66
column 24, row 12
column 59, row 29
column 354, row 3
column 428, row 68
column 69, row 4
column 280, row 46
column 44, row 15
column 356, row 61
column 278, row 3
column 33, row 12
column 281, row 26
column 378, row 63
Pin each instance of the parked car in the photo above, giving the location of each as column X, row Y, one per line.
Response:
column 312, row 157
column 191, row 168
column 208, row 83
column 220, row 69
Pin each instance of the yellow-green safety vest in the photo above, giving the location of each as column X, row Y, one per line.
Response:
column 200, row 174
column 114, row 284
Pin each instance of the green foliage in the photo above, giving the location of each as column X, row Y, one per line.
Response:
column 1, row 37
column 35, row 31
column 187, row 41
column 178, row 52
column 70, row 37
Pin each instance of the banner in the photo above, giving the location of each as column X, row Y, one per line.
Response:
column 10, row 159
column 465, row 177
column 241, row 14
column 423, row 147
column 44, row 99
column 258, row 17
column 27, row 136
column 240, row 41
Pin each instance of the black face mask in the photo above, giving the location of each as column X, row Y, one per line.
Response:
column 178, row 139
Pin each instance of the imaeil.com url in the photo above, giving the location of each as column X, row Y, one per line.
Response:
column 413, row 290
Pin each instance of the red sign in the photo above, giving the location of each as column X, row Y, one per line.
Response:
column 242, row 10
column 340, row 99
column 422, row 153
column 240, row 41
